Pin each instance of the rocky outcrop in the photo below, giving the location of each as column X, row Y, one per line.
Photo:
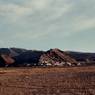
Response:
column 57, row 57
column 7, row 58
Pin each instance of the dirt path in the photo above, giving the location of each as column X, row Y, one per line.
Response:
column 47, row 81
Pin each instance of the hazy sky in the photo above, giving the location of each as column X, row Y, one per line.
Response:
column 45, row 24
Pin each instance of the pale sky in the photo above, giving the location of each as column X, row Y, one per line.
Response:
column 45, row 24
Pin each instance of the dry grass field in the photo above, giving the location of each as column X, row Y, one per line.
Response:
column 47, row 81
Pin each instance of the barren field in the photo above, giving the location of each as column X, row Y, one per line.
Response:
column 47, row 81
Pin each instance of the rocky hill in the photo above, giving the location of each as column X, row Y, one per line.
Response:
column 57, row 57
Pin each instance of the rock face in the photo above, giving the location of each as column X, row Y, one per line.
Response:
column 57, row 57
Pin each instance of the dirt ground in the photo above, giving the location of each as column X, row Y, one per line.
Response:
column 47, row 81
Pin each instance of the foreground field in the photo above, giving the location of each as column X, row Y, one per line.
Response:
column 48, row 81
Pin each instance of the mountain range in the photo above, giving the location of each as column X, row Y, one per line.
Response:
column 51, row 57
